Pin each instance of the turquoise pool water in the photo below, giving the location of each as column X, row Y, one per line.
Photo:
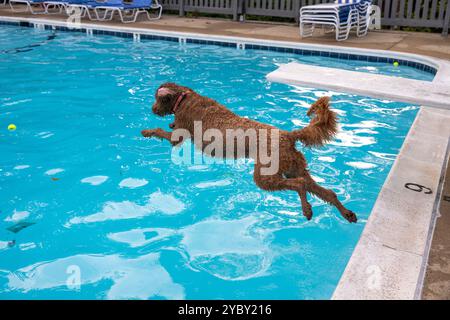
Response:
column 91, row 210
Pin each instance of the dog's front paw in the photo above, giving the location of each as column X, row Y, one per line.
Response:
column 149, row 133
column 350, row 216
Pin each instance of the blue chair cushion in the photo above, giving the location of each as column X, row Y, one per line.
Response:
column 347, row 1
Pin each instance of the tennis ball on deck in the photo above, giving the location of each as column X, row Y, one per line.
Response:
column 396, row 64
column 12, row 127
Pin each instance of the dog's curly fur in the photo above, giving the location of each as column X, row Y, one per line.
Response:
column 292, row 172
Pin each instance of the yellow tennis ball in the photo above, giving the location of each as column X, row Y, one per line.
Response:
column 12, row 127
column 396, row 64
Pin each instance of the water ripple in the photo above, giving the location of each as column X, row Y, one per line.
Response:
column 141, row 226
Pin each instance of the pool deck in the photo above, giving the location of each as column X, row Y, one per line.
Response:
column 437, row 277
column 407, row 259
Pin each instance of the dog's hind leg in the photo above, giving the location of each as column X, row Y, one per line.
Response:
column 278, row 183
column 306, row 206
column 329, row 196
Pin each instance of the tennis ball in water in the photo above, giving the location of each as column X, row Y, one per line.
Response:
column 12, row 127
column 396, row 64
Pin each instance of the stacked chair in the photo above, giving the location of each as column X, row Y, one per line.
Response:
column 341, row 16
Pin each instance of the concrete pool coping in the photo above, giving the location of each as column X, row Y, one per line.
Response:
column 434, row 93
column 388, row 261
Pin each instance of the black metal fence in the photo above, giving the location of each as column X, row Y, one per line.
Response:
column 402, row 13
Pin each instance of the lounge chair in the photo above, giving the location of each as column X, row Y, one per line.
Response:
column 128, row 10
column 55, row 6
column 342, row 16
column 30, row 5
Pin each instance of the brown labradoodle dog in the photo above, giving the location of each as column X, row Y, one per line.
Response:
column 292, row 173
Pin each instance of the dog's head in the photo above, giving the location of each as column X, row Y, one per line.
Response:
column 166, row 97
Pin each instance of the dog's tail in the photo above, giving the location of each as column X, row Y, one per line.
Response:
column 322, row 127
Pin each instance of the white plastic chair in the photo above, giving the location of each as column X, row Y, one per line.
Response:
column 55, row 6
column 30, row 5
column 342, row 17
column 128, row 10
column 364, row 8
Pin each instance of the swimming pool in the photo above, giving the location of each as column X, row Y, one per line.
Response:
column 110, row 206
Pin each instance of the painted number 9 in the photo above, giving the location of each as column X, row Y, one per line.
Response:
column 418, row 188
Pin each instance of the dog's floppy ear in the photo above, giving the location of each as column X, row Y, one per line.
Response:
column 164, row 92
